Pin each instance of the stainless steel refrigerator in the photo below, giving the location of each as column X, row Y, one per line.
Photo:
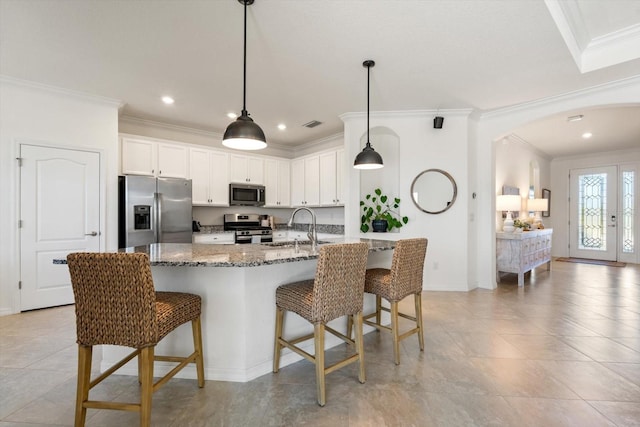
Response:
column 153, row 210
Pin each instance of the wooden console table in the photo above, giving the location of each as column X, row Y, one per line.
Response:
column 522, row 252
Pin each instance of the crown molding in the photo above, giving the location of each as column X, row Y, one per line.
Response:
column 520, row 140
column 61, row 91
column 319, row 142
column 629, row 81
column 186, row 129
column 408, row 113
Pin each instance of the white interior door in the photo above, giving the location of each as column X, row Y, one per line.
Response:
column 594, row 213
column 60, row 213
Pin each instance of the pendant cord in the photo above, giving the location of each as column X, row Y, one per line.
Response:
column 368, row 73
column 244, row 60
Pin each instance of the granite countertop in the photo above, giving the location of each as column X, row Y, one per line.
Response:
column 234, row 255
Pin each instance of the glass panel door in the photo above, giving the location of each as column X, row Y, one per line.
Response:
column 593, row 213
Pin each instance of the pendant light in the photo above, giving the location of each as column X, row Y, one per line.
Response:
column 368, row 158
column 244, row 133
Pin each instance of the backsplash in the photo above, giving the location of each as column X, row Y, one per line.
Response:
column 321, row 228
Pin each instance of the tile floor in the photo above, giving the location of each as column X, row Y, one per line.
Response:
column 562, row 351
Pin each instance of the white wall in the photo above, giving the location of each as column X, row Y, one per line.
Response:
column 39, row 114
column 496, row 125
column 560, row 169
column 420, row 147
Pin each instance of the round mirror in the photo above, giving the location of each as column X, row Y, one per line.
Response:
column 433, row 191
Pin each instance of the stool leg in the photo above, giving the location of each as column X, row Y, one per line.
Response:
column 394, row 330
column 349, row 327
column 146, row 354
column 318, row 335
column 196, row 328
column 84, row 378
column 378, row 310
column 360, row 346
column 276, row 345
column 418, row 301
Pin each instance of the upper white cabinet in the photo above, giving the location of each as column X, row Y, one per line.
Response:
column 152, row 158
column 277, row 182
column 246, row 169
column 331, row 170
column 208, row 173
column 305, row 181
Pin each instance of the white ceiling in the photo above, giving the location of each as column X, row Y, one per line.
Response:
column 305, row 59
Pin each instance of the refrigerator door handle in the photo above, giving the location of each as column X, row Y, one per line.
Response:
column 157, row 209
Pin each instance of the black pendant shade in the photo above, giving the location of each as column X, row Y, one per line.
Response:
column 244, row 133
column 368, row 158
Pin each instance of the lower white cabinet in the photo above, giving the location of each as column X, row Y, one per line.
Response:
column 521, row 252
column 214, row 238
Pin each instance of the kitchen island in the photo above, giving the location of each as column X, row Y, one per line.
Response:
column 237, row 284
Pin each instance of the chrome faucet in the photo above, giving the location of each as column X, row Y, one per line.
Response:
column 312, row 233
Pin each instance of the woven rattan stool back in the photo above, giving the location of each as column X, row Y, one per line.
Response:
column 115, row 299
column 339, row 282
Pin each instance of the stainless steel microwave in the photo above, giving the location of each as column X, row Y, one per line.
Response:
column 246, row 195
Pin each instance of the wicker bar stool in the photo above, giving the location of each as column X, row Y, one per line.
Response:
column 403, row 279
column 336, row 291
column 116, row 304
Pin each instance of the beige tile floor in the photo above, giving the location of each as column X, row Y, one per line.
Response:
column 562, row 351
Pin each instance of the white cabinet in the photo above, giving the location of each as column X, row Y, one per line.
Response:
column 277, row 181
column 214, row 238
column 521, row 252
column 152, row 158
column 305, row 181
column 246, row 169
column 208, row 173
column 331, row 170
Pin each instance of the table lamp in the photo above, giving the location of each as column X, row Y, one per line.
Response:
column 537, row 206
column 509, row 203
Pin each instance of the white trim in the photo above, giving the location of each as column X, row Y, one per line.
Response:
column 629, row 81
column 408, row 113
column 62, row 91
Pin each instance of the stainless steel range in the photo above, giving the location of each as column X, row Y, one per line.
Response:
column 249, row 228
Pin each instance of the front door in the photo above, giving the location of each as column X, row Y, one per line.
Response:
column 59, row 213
column 594, row 213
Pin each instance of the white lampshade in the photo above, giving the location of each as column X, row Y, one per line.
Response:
column 508, row 202
column 538, row 205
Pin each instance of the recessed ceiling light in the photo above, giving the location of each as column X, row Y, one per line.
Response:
column 282, row 126
column 575, row 118
column 232, row 115
column 168, row 100
column 587, row 135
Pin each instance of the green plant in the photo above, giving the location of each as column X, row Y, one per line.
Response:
column 518, row 223
column 378, row 206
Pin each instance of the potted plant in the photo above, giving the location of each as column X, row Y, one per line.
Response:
column 378, row 209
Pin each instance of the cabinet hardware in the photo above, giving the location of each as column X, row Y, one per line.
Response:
column 93, row 233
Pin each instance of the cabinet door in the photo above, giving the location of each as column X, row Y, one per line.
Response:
column 219, row 187
column 238, row 168
column 297, row 182
column 312, row 181
column 172, row 161
column 139, row 157
column 199, row 172
column 284, row 183
column 340, row 167
column 271, row 182
column 255, row 170
column 328, row 179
